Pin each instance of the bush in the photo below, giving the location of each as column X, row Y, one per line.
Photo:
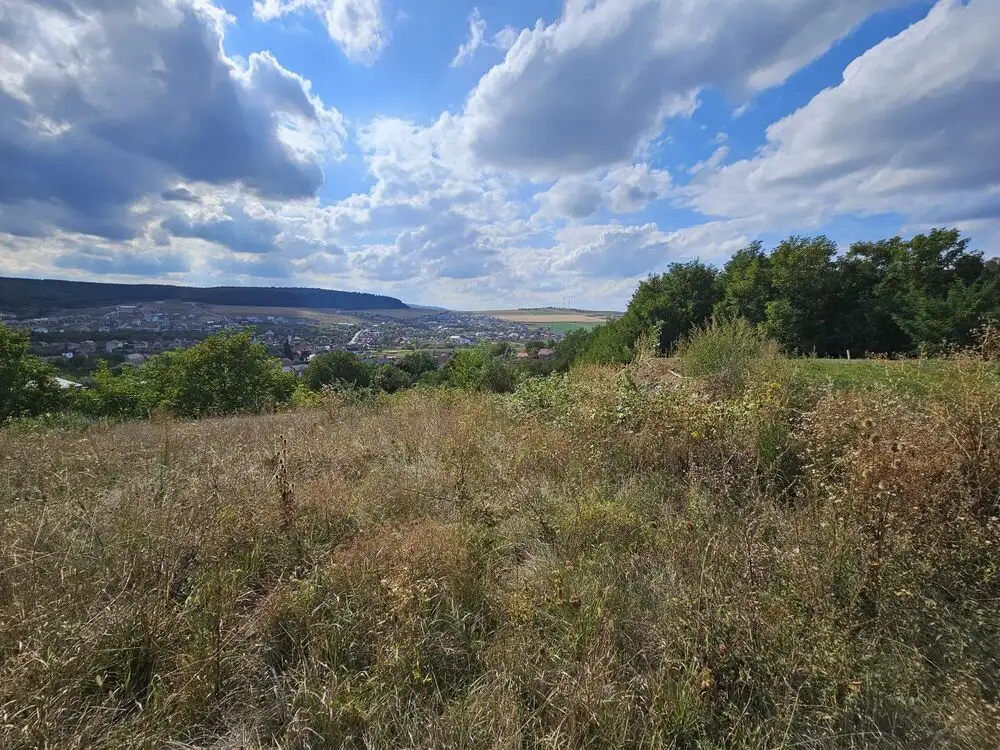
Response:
column 390, row 378
column 340, row 367
column 27, row 384
column 479, row 369
column 417, row 363
column 725, row 353
column 225, row 374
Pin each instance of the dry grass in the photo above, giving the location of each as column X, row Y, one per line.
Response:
column 596, row 561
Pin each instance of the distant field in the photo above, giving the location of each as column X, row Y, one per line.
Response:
column 554, row 318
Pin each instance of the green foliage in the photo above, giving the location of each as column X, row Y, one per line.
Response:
column 726, row 353
column 224, row 374
column 417, row 363
column 745, row 285
column 892, row 296
column 133, row 393
column 339, row 367
column 27, row 384
column 390, row 378
column 672, row 303
column 479, row 369
column 609, row 343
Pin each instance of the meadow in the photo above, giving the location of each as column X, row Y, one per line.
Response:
column 714, row 551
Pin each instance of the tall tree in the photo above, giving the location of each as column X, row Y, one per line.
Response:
column 803, row 281
column 672, row 303
column 226, row 373
column 744, row 286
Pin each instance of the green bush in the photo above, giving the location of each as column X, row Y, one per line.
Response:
column 224, row 374
column 27, row 384
column 479, row 369
column 726, row 352
column 340, row 367
column 390, row 378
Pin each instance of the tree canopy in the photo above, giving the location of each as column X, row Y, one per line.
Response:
column 891, row 296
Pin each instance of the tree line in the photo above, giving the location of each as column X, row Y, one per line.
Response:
column 230, row 373
column 892, row 297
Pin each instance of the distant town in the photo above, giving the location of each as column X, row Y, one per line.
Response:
column 129, row 334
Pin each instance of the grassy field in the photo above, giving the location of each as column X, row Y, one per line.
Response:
column 609, row 559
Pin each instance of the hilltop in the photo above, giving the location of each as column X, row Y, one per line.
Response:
column 23, row 297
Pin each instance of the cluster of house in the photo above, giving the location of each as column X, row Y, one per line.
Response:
column 542, row 354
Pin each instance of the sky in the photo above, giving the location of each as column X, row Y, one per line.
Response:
column 476, row 155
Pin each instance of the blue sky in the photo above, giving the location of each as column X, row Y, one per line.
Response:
column 483, row 154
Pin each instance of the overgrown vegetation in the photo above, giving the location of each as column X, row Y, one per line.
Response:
column 613, row 557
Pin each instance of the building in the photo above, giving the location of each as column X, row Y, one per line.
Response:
column 546, row 353
column 135, row 359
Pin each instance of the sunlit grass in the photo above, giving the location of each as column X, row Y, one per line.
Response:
column 605, row 559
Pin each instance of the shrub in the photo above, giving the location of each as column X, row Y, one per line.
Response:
column 390, row 378
column 479, row 369
column 725, row 353
column 225, row 374
column 339, row 367
column 27, row 384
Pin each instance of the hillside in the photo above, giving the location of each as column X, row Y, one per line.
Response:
column 614, row 558
column 25, row 297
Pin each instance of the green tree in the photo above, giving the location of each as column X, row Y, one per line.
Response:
column 224, row 374
column 803, row 279
column 570, row 350
column 417, row 363
column 671, row 304
column 132, row 393
column 501, row 349
column 943, row 290
column 744, row 286
column 27, row 384
column 337, row 368
column 479, row 369
column 286, row 350
column 609, row 344
column 390, row 378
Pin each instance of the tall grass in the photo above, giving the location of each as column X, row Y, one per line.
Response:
column 726, row 353
column 605, row 559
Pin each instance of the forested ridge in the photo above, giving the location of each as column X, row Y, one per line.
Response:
column 40, row 296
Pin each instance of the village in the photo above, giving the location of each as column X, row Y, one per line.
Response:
column 121, row 335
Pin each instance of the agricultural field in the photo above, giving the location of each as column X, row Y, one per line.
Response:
column 554, row 318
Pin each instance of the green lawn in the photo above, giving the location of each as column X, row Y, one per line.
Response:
column 915, row 376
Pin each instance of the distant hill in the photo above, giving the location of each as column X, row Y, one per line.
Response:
column 25, row 297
